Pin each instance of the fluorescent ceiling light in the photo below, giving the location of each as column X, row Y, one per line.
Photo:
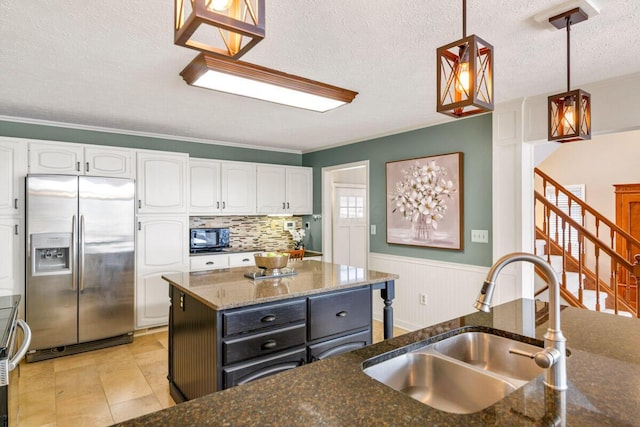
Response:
column 253, row 81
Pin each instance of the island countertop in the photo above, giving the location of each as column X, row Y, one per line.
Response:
column 603, row 375
column 229, row 288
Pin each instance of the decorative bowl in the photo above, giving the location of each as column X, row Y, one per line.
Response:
column 271, row 260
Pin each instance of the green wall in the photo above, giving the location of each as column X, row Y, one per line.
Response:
column 207, row 151
column 472, row 136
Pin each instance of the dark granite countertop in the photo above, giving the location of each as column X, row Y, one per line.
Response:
column 229, row 288
column 603, row 376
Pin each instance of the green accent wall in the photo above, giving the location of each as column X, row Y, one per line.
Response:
column 471, row 136
column 194, row 149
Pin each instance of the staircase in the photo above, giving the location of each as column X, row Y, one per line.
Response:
column 595, row 273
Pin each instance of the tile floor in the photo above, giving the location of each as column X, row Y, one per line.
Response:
column 102, row 387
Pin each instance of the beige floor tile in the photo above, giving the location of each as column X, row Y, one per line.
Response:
column 158, row 357
column 145, row 344
column 37, row 381
column 108, row 355
column 73, row 361
column 134, row 408
column 76, row 382
column 37, row 408
column 36, row 368
column 89, row 410
column 162, row 393
column 123, row 385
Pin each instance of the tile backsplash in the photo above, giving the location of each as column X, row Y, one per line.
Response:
column 252, row 232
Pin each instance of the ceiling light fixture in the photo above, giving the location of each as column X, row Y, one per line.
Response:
column 465, row 74
column 570, row 111
column 227, row 28
column 254, row 81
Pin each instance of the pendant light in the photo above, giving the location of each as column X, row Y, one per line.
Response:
column 569, row 112
column 465, row 74
column 226, row 28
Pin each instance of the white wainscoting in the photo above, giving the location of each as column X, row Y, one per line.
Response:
column 451, row 289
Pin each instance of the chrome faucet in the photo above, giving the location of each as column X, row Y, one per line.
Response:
column 553, row 357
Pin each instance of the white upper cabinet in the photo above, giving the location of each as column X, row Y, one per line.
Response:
column 238, row 188
column 284, row 190
column 162, row 182
column 299, row 185
column 79, row 159
column 105, row 161
column 13, row 168
column 204, row 187
column 58, row 158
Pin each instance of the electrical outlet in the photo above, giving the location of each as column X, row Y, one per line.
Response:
column 307, row 225
column 373, row 229
column 480, row 236
column 423, row 299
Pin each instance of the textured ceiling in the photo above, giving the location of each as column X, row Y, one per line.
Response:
column 113, row 64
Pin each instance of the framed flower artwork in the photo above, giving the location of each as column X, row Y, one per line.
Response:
column 424, row 202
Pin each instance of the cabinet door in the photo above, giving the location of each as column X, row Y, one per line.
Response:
column 11, row 257
column 111, row 162
column 161, row 247
column 339, row 345
column 299, row 191
column 56, row 158
column 162, row 182
column 238, row 188
column 13, row 168
column 270, row 182
column 204, row 187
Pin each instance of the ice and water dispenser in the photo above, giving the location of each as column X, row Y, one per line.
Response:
column 50, row 253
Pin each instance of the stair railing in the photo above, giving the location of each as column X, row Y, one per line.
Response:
column 618, row 263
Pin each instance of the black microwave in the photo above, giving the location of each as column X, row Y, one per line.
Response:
column 208, row 239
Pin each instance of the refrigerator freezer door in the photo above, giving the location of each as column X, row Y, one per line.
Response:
column 105, row 257
column 51, row 296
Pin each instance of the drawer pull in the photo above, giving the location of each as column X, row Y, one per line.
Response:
column 269, row 344
column 341, row 314
column 268, row 318
column 210, row 263
column 245, row 260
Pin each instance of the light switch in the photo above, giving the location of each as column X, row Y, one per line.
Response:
column 373, row 229
column 480, row 236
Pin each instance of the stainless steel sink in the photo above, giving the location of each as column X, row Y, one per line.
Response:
column 491, row 353
column 461, row 374
column 440, row 383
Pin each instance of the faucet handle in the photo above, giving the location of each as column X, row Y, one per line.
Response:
column 544, row 358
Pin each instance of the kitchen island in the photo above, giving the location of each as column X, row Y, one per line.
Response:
column 603, row 374
column 230, row 327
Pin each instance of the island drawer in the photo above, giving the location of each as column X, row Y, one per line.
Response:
column 339, row 312
column 239, row 349
column 263, row 367
column 265, row 316
column 339, row 345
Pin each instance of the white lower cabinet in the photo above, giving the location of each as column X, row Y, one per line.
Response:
column 208, row 262
column 162, row 247
column 11, row 256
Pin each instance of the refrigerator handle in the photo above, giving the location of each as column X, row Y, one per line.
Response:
column 73, row 255
column 81, row 248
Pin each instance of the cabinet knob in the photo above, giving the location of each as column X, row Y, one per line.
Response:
column 341, row 314
column 269, row 344
column 268, row 318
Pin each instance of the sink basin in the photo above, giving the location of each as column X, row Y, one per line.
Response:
column 461, row 374
column 491, row 353
column 440, row 383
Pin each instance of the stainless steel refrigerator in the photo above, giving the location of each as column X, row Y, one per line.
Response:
column 80, row 263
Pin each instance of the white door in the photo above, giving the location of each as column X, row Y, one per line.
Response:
column 161, row 248
column 349, row 225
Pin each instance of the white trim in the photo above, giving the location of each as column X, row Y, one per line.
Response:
column 173, row 138
column 432, row 263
